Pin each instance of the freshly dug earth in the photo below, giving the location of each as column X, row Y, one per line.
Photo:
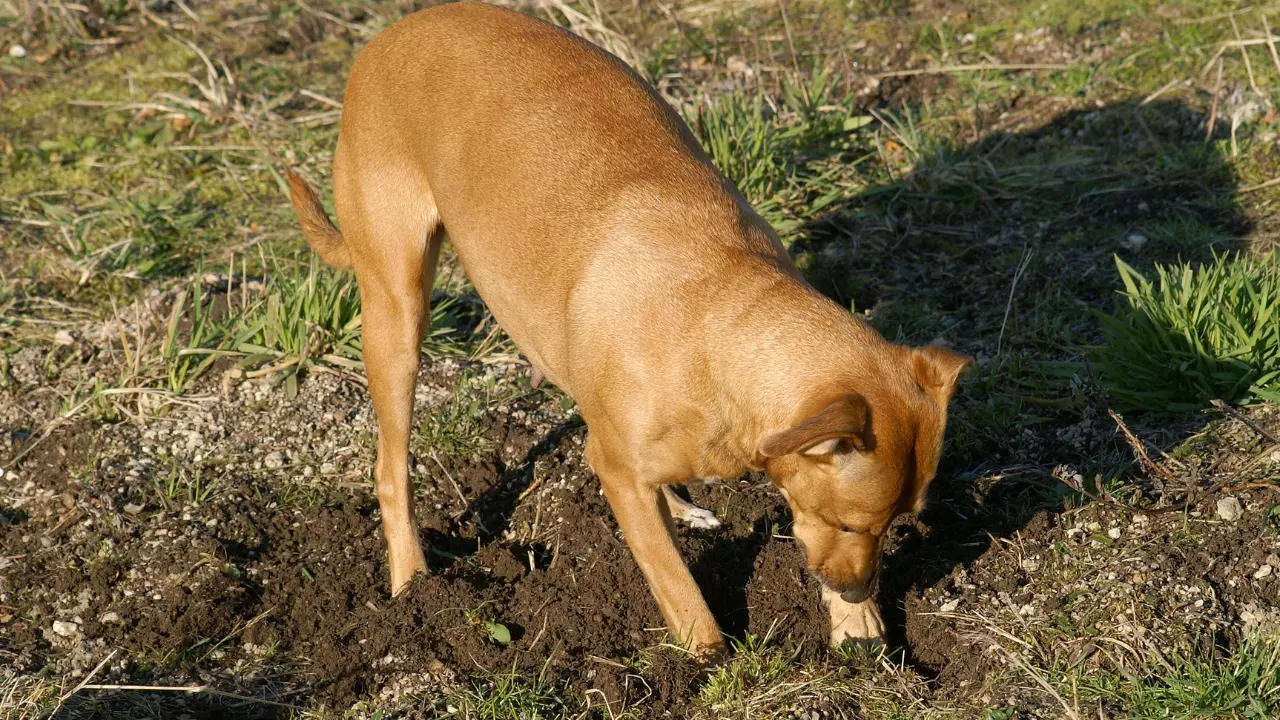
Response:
column 233, row 541
column 246, row 574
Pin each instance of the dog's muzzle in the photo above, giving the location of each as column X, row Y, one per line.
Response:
column 857, row 594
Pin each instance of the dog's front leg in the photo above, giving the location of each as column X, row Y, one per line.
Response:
column 646, row 524
column 856, row 622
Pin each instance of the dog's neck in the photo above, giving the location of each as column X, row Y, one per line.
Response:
column 773, row 370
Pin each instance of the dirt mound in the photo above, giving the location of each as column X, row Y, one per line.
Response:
column 237, row 545
column 244, row 576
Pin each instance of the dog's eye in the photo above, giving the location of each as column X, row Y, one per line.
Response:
column 846, row 529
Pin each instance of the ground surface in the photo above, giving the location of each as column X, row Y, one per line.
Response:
column 182, row 539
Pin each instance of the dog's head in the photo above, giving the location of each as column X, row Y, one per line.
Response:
column 849, row 466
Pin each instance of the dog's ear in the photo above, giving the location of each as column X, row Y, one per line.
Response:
column 937, row 369
column 845, row 420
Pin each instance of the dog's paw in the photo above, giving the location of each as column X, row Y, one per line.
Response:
column 856, row 623
column 698, row 518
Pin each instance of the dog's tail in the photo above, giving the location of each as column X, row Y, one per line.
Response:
column 325, row 239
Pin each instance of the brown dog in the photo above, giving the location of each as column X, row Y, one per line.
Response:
column 635, row 277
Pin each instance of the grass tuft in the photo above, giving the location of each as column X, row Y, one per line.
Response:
column 790, row 157
column 508, row 695
column 764, row 681
column 314, row 319
column 1244, row 685
column 1196, row 334
column 458, row 427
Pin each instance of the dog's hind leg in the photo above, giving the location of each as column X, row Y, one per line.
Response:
column 688, row 513
column 395, row 238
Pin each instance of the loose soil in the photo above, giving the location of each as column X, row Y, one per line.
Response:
column 229, row 587
column 239, row 573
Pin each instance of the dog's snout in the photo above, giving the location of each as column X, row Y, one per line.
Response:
column 856, row 594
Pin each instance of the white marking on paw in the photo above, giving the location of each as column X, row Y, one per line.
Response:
column 699, row 518
column 859, row 622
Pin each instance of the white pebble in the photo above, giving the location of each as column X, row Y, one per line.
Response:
column 1134, row 241
column 65, row 629
column 17, row 51
column 1229, row 509
column 1114, row 533
column 1262, row 572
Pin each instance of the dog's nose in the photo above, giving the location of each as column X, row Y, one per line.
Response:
column 856, row 594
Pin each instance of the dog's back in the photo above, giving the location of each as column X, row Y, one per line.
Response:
column 615, row 180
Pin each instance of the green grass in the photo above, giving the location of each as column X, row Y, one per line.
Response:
column 180, row 485
column 794, row 161
column 299, row 321
column 1196, row 333
column 188, row 354
column 458, row 426
column 754, row 670
column 1240, row 684
column 302, row 322
column 508, row 695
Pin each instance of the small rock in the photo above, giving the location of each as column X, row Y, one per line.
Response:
column 1134, row 241
column 950, row 605
column 1263, row 571
column 1114, row 533
column 133, row 508
column 273, row 461
column 65, row 629
column 109, row 617
column 1229, row 509
column 62, row 337
column 17, row 51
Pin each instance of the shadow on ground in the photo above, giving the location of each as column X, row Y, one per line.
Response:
column 1005, row 248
